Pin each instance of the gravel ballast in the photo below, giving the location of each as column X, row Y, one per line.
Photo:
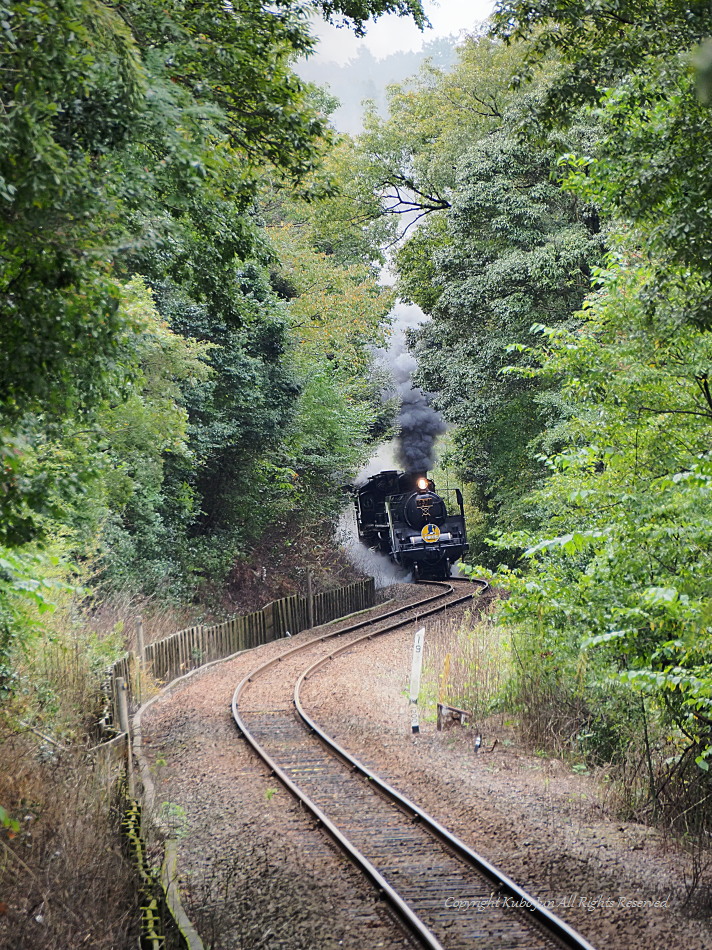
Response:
column 260, row 875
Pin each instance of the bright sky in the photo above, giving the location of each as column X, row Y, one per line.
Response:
column 391, row 33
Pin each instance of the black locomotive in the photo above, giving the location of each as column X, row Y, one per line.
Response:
column 399, row 514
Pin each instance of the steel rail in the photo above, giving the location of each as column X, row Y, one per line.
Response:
column 338, row 633
column 412, row 922
column 551, row 923
column 544, row 918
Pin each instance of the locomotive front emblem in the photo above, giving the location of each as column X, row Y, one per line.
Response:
column 430, row 533
column 424, row 505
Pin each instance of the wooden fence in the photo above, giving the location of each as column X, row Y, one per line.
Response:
column 166, row 660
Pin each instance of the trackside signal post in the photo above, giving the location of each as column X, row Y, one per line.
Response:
column 415, row 672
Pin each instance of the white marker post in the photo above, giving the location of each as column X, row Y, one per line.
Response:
column 415, row 678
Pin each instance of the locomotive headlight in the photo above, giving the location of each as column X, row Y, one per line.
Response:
column 422, row 484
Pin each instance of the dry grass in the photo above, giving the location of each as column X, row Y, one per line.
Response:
column 466, row 663
column 64, row 880
column 119, row 614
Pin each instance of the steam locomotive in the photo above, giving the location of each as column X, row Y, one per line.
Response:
column 400, row 515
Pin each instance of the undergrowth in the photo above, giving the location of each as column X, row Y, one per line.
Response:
column 64, row 880
column 466, row 664
column 647, row 767
column 647, row 764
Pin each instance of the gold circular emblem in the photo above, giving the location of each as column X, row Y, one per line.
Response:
column 430, row 533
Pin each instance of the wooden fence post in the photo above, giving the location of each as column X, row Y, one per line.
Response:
column 141, row 665
column 122, row 703
column 310, row 599
column 125, row 725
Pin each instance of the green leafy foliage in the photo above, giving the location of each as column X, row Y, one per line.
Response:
column 617, row 589
column 407, row 162
column 596, row 44
column 498, row 247
column 329, row 441
column 29, row 582
column 358, row 12
column 69, row 99
column 153, row 391
column 577, row 386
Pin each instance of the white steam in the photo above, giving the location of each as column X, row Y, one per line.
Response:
column 381, row 568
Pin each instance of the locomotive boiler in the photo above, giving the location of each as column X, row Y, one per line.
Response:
column 401, row 515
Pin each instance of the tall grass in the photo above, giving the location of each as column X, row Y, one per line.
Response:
column 467, row 664
column 64, row 881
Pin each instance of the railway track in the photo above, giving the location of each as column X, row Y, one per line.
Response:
column 446, row 896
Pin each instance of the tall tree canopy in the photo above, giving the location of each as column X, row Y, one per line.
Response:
column 616, row 596
column 498, row 247
column 154, row 405
column 560, row 178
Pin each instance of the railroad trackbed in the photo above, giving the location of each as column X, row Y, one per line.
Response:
column 443, row 893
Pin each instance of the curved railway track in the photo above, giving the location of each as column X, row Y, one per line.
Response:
column 446, row 895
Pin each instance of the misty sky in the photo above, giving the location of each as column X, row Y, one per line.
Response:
column 392, row 34
column 357, row 69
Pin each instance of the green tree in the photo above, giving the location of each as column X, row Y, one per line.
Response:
column 639, row 64
column 72, row 85
column 616, row 597
column 407, row 161
column 134, row 141
column 597, row 44
column 517, row 252
column 499, row 247
column 621, row 574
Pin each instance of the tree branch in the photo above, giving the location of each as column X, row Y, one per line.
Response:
column 677, row 412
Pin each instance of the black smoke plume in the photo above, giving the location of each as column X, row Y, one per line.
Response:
column 419, row 423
